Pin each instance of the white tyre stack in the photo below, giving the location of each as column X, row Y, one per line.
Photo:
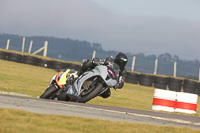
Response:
column 186, row 103
column 164, row 100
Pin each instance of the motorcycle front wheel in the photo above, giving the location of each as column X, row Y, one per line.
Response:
column 50, row 93
column 90, row 93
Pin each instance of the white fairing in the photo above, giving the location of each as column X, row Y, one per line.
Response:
column 102, row 71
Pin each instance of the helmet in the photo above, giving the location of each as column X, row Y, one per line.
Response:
column 121, row 59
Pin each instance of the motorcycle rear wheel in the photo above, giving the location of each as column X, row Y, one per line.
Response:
column 92, row 94
column 49, row 93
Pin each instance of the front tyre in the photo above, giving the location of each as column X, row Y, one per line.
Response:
column 92, row 94
column 49, row 93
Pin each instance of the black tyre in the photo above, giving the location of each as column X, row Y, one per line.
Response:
column 30, row 60
column 146, row 80
column 161, row 82
column 75, row 66
column 14, row 57
column 92, row 94
column 190, row 86
column 3, row 55
column 49, row 93
column 198, row 89
column 175, row 84
column 63, row 96
column 132, row 78
column 44, row 63
column 68, row 65
column 72, row 66
column 58, row 65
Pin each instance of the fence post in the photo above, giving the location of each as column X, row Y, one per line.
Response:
column 30, row 47
column 133, row 64
column 23, row 43
column 175, row 68
column 156, row 65
column 42, row 50
column 8, row 43
column 45, row 48
column 94, row 53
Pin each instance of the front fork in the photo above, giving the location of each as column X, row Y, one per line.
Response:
column 95, row 80
column 98, row 79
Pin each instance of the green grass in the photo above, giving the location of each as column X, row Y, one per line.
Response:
column 22, row 78
column 16, row 121
column 131, row 96
column 33, row 80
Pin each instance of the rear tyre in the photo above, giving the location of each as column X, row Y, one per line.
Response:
column 63, row 96
column 49, row 93
column 92, row 94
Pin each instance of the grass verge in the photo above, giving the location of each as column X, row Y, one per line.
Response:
column 16, row 121
column 33, row 80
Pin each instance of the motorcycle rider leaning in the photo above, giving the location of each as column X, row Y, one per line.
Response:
column 120, row 59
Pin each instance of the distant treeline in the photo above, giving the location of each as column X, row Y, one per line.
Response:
column 76, row 50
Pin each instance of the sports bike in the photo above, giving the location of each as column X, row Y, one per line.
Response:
column 87, row 86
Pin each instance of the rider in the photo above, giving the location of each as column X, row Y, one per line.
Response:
column 120, row 59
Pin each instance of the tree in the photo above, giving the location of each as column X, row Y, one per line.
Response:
column 152, row 57
column 176, row 58
column 97, row 47
column 165, row 57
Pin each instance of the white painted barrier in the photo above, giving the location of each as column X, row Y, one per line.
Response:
column 186, row 103
column 164, row 100
column 171, row 101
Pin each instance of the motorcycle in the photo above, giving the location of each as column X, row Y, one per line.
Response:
column 58, row 83
column 90, row 84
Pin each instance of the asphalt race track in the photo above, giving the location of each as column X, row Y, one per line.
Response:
column 98, row 111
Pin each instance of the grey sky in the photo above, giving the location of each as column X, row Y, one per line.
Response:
column 148, row 26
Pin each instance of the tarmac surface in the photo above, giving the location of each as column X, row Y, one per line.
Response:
column 44, row 106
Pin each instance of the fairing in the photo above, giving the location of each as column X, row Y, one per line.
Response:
column 102, row 71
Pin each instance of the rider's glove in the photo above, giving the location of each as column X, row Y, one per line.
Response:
column 120, row 83
column 74, row 75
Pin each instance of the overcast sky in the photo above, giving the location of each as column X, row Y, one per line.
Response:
column 147, row 26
